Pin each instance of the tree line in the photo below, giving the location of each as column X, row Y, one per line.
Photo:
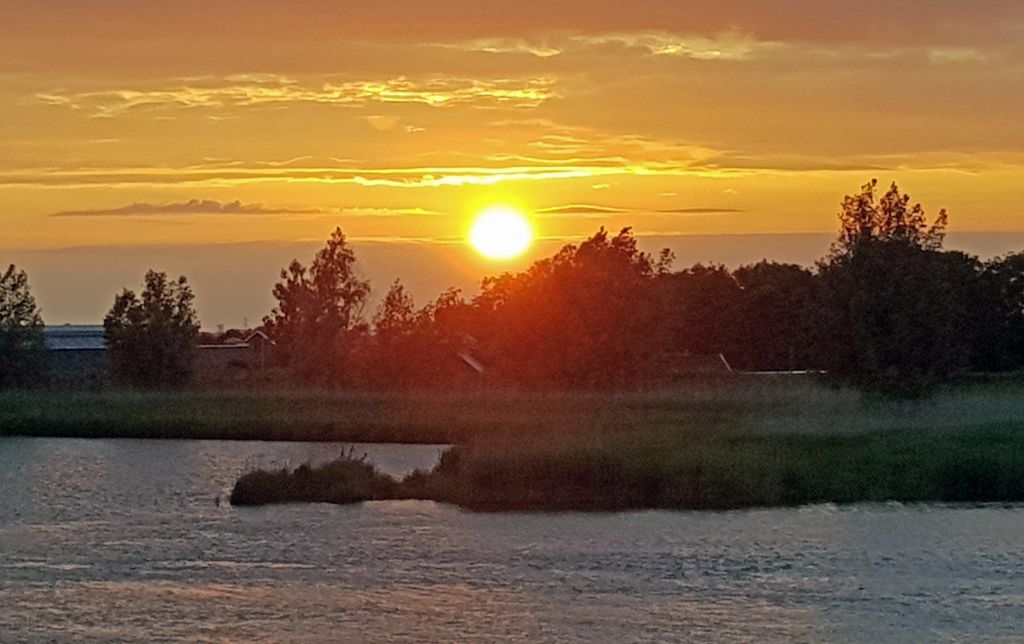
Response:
column 888, row 308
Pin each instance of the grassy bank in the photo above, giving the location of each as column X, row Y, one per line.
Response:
column 426, row 417
column 742, row 406
column 700, row 470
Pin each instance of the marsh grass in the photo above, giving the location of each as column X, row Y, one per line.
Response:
column 347, row 479
column 744, row 406
column 703, row 471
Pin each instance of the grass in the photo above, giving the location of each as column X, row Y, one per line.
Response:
column 749, row 441
column 707, row 471
column 348, row 479
column 743, row 406
column 697, row 471
column 428, row 417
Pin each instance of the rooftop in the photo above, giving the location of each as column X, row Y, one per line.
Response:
column 72, row 337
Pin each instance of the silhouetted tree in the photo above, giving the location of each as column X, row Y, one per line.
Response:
column 396, row 313
column 699, row 305
column 582, row 317
column 777, row 320
column 21, row 331
column 999, row 323
column 390, row 358
column 318, row 309
column 898, row 317
column 864, row 218
column 897, row 310
column 151, row 339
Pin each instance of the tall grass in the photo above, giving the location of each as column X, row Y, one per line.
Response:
column 701, row 470
column 744, row 406
column 347, row 479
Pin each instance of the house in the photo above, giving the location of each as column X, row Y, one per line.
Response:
column 251, row 353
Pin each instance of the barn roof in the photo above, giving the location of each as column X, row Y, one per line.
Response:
column 70, row 337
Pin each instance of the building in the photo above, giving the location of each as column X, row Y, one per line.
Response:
column 77, row 354
column 250, row 353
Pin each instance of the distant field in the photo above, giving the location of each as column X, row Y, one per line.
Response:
column 743, row 406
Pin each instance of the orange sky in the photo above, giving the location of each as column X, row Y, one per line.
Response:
column 190, row 126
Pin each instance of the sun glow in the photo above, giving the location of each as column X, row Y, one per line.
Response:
column 501, row 232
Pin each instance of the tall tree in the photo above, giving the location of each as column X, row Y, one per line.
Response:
column 396, row 313
column 151, row 338
column 318, row 309
column 21, row 331
column 699, row 305
column 864, row 218
column 999, row 325
column 582, row 317
column 897, row 309
column 776, row 322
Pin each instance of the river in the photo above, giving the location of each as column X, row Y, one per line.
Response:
column 123, row 540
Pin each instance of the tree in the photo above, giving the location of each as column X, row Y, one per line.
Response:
column 999, row 323
column 151, row 339
column 396, row 313
column 699, row 307
column 775, row 324
column 898, row 318
column 580, row 318
column 21, row 331
column 865, row 218
column 318, row 310
column 897, row 310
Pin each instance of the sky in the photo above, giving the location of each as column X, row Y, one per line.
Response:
column 221, row 138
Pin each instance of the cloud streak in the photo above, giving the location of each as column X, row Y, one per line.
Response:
column 211, row 207
column 269, row 90
column 191, row 207
column 593, row 211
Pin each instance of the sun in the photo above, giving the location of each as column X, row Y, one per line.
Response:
column 501, row 232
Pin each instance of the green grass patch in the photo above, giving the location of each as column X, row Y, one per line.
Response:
column 696, row 471
column 740, row 406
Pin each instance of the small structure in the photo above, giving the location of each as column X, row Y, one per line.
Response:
column 249, row 354
column 77, row 354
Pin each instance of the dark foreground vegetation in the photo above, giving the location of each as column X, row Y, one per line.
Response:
column 348, row 479
column 699, row 471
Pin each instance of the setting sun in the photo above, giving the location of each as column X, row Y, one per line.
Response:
column 501, row 232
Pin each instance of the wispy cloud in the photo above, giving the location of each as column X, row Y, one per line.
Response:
column 272, row 90
column 731, row 45
column 195, row 207
column 191, row 207
column 700, row 211
column 407, row 177
column 581, row 209
column 592, row 211
column 504, row 46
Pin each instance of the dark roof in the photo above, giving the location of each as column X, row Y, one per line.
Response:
column 258, row 336
column 74, row 338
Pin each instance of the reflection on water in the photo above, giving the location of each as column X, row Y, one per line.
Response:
column 125, row 540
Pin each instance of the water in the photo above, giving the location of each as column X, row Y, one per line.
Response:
column 119, row 540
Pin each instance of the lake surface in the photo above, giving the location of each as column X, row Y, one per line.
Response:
column 122, row 540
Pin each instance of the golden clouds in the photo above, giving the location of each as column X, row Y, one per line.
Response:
column 393, row 105
column 255, row 90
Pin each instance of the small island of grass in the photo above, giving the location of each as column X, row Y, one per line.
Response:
column 692, row 471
